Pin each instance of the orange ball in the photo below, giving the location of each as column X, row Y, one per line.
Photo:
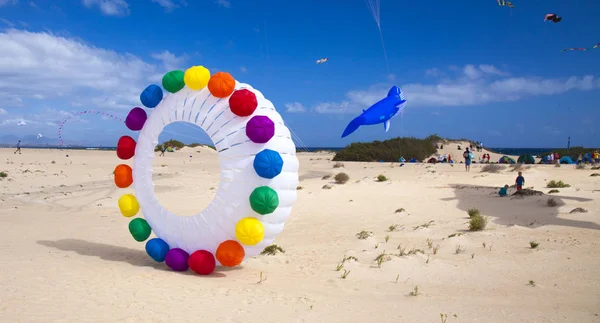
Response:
column 123, row 176
column 221, row 85
column 230, row 253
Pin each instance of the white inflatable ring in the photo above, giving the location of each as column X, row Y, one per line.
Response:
column 258, row 171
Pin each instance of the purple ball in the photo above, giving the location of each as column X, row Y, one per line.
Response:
column 136, row 118
column 177, row 259
column 260, row 129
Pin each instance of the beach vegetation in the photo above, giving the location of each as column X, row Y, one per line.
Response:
column 400, row 210
column 473, row 212
column 492, row 168
column 552, row 202
column 342, row 178
column 477, row 223
column 436, row 249
column 272, row 250
column 338, row 165
column 389, row 150
column 415, row 291
column 381, row 178
column 392, row 227
column 176, row 144
column 555, row 184
column 345, row 274
column 429, row 243
column 533, row 244
column 3, row 174
column 364, row 234
column 552, row 191
column 459, row 249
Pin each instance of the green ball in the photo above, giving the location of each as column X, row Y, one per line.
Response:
column 139, row 229
column 264, row 200
column 173, row 81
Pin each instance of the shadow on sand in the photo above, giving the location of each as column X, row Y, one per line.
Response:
column 515, row 210
column 134, row 257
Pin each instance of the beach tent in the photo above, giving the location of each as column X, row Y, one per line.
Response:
column 432, row 160
column 413, row 160
column 566, row 160
column 544, row 160
column 506, row 160
column 526, row 159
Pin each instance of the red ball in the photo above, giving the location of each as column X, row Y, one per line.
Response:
column 243, row 103
column 202, row 262
column 126, row 147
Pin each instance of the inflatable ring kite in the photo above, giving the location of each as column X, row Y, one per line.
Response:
column 259, row 171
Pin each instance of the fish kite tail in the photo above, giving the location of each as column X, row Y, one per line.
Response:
column 353, row 125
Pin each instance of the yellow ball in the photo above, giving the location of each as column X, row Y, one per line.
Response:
column 196, row 77
column 129, row 205
column 249, row 231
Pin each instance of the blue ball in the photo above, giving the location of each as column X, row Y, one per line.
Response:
column 157, row 249
column 268, row 163
column 151, row 96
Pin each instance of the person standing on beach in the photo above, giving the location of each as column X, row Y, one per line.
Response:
column 467, row 156
column 520, row 181
column 18, row 147
column 162, row 150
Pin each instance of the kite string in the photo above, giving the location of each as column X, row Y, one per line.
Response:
column 384, row 51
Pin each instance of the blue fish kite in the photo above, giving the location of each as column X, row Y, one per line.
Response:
column 380, row 112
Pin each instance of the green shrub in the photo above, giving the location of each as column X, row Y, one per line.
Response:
column 555, row 184
column 341, row 178
column 473, row 212
column 477, row 223
column 3, row 175
column 389, row 150
column 381, row 178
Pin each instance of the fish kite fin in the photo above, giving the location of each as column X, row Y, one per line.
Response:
column 386, row 125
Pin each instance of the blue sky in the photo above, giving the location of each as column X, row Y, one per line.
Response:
column 482, row 72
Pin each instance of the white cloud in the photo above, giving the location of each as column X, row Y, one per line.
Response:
column 2, row 111
column 223, row 3
column 70, row 71
column 169, row 5
column 295, row 107
column 7, row 2
column 471, row 85
column 243, row 69
column 109, row 7
column 433, row 72
column 7, row 22
column 169, row 60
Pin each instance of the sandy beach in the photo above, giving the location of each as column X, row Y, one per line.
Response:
column 69, row 257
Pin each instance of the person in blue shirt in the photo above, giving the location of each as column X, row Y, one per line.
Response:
column 18, row 147
column 520, row 181
column 503, row 191
column 467, row 156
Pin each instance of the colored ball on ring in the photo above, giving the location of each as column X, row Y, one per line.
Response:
column 230, row 253
column 260, row 129
column 177, row 259
column 264, row 200
column 139, row 229
column 221, row 84
column 196, row 77
column 157, row 249
column 128, row 205
column 125, row 147
column 151, row 96
column 173, row 81
column 136, row 118
column 202, row 262
column 268, row 163
column 123, row 176
column 249, row 231
column 243, row 103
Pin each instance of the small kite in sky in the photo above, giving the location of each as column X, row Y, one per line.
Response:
column 580, row 48
column 504, row 3
column 322, row 60
column 552, row 17
column 39, row 136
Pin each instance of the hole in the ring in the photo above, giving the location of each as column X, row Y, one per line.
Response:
column 185, row 169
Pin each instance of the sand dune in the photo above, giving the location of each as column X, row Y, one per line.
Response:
column 68, row 256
